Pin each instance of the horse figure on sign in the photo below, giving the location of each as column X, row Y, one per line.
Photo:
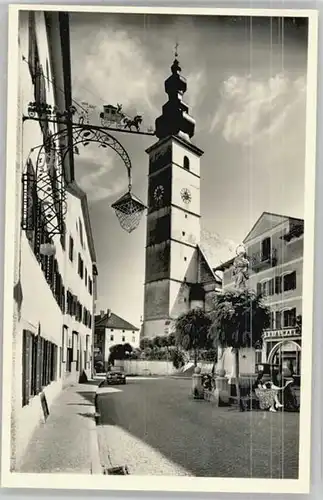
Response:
column 135, row 122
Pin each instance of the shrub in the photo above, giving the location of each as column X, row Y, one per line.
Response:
column 178, row 358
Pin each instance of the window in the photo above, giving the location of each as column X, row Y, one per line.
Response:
column 39, row 365
column 71, row 249
column 183, row 233
column 111, row 338
column 63, row 237
column 290, row 317
column 185, row 259
column 185, row 216
column 75, row 346
column 186, row 163
column 133, row 339
column 80, row 266
column 289, row 281
column 123, row 331
column 265, row 249
column 64, row 342
column 123, row 338
column 272, row 320
column 90, row 286
column 278, row 320
column 111, row 330
column 87, row 351
column 81, row 232
column 85, row 277
column 265, row 288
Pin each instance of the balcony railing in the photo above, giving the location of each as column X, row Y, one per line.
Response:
column 262, row 260
column 282, row 333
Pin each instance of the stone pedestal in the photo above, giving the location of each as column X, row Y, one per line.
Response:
column 197, row 387
column 221, row 392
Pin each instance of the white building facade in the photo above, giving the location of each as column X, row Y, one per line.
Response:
column 53, row 300
column 112, row 330
column 274, row 248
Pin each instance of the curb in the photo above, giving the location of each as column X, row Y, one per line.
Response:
column 96, row 466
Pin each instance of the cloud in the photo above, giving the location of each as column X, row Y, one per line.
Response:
column 195, row 86
column 112, row 68
column 96, row 173
column 251, row 109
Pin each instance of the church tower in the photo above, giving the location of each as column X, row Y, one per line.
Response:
column 173, row 221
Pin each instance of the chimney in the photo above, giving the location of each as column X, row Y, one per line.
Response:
column 109, row 312
column 101, row 313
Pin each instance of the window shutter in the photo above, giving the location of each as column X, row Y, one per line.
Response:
column 26, row 365
column 258, row 288
column 63, row 299
column 40, row 86
column 39, row 365
column 49, row 361
column 293, row 280
column 32, row 49
column 278, row 284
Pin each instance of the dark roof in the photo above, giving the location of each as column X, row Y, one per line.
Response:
column 210, row 269
column 113, row 321
column 224, row 265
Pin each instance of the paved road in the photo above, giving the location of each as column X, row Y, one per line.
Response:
column 154, row 427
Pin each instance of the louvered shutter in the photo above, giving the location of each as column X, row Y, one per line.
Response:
column 26, row 366
column 278, row 284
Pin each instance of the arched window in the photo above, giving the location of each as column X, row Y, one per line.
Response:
column 186, row 163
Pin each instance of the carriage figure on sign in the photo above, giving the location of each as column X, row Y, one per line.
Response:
column 114, row 115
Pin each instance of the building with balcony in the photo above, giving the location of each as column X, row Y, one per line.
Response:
column 275, row 251
column 55, row 271
column 112, row 330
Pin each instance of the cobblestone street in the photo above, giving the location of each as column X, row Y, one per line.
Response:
column 154, row 427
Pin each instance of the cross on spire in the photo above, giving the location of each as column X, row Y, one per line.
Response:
column 176, row 49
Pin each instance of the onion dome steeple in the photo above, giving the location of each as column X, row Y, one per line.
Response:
column 175, row 119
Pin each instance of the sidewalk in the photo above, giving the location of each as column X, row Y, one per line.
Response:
column 67, row 442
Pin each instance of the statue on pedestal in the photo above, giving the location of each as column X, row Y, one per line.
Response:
column 240, row 268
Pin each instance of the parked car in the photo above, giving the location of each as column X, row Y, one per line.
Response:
column 114, row 376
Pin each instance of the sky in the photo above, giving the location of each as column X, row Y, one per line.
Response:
column 247, row 92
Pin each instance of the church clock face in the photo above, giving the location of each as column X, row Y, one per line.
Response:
column 186, row 195
column 159, row 194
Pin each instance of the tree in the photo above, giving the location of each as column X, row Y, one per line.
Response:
column 191, row 330
column 238, row 320
column 146, row 342
column 119, row 351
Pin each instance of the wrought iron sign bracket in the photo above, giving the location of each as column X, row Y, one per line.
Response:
column 46, row 183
